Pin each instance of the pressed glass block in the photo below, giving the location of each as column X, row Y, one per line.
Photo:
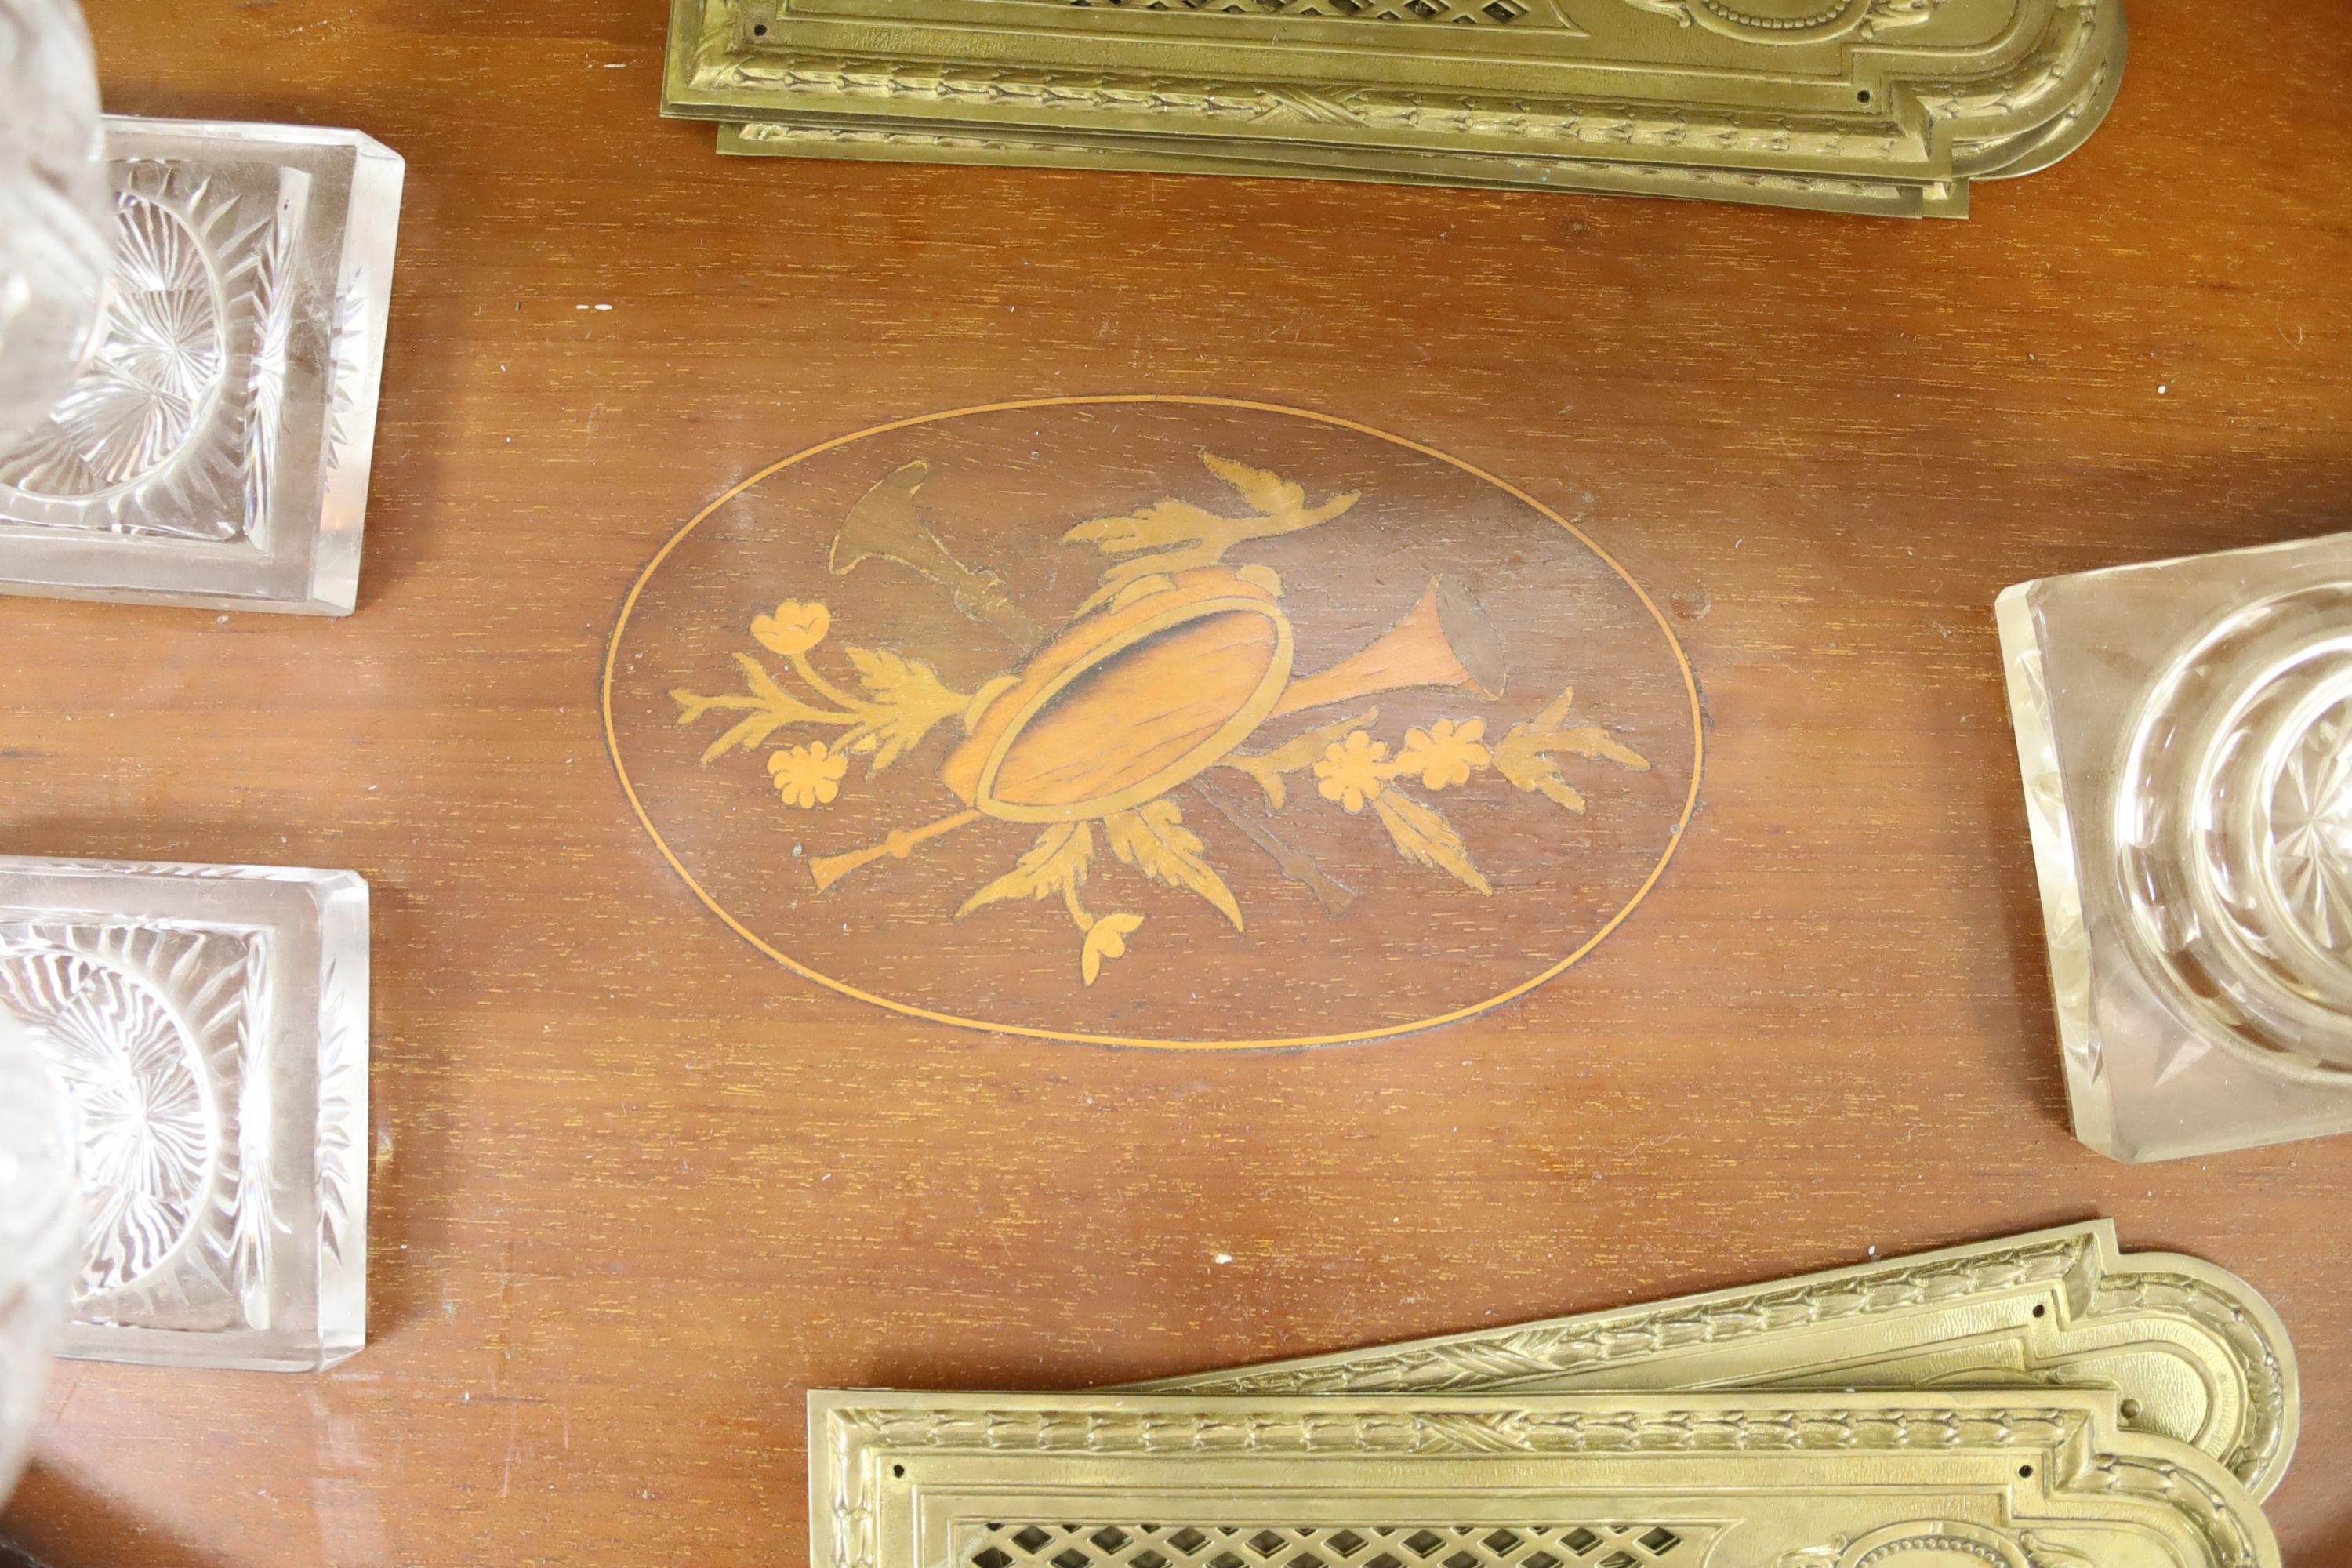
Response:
column 56, row 220
column 216, row 450
column 39, row 1235
column 209, row 1025
column 2185, row 733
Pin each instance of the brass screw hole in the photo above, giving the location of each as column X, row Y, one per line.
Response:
column 759, row 29
column 2025, row 1472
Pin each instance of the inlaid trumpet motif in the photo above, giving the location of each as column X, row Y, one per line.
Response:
column 1175, row 671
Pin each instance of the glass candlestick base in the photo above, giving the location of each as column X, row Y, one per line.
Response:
column 216, row 450
column 209, row 1025
column 56, row 214
column 39, row 1235
column 2185, row 732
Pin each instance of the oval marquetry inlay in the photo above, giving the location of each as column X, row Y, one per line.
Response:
column 1153, row 720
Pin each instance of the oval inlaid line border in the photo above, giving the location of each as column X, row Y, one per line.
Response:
column 628, row 787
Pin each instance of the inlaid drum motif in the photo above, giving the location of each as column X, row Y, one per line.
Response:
column 1153, row 720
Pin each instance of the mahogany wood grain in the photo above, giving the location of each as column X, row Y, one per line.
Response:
column 635, row 1188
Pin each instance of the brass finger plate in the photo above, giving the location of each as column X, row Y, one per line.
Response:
column 2192, row 1351
column 1870, row 106
column 1958, row 1480
column 886, row 143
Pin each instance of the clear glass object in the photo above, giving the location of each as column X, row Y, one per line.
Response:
column 55, row 214
column 214, row 451
column 209, row 1025
column 40, row 1238
column 2185, row 733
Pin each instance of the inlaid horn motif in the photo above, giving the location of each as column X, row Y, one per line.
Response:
column 1174, row 685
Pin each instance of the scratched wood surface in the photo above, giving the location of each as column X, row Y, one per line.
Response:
column 636, row 1187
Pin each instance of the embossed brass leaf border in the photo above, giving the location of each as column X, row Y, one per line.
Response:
column 2037, row 1478
column 2064, row 1307
column 1884, row 107
column 1658, row 868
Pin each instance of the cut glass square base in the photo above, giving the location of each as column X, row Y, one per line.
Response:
column 216, row 452
column 209, row 1025
column 2185, row 733
column 40, row 1236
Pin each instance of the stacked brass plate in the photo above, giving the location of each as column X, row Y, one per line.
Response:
column 2192, row 1353
column 1891, row 107
column 2002, row 1479
column 2039, row 1401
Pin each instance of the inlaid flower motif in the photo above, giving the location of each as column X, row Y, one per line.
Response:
column 808, row 775
column 1107, row 938
column 1349, row 771
column 1446, row 753
column 794, row 628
